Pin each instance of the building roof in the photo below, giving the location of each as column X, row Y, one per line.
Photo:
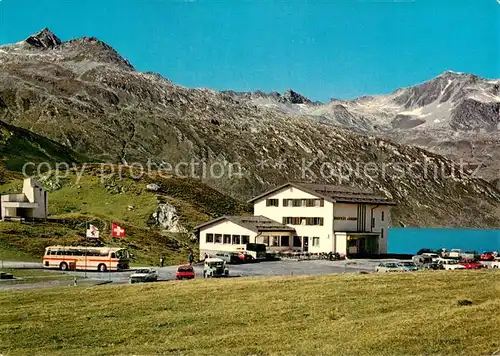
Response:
column 333, row 193
column 253, row 223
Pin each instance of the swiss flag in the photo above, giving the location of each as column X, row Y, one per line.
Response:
column 117, row 230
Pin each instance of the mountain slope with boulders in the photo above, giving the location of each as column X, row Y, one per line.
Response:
column 82, row 94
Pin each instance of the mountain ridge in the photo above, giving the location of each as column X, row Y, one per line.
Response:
column 97, row 105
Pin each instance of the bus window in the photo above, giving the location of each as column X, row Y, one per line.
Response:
column 113, row 255
column 122, row 254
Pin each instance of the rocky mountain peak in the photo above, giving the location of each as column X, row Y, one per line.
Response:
column 293, row 97
column 44, row 39
column 92, row 48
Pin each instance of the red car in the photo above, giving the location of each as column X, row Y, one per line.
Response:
column 184, row 272
column 487, row 256
column 471, row 264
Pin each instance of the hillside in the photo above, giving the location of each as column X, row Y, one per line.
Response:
column 157, row 221
column 329, row 315
column 83, row 95
column 19, row 146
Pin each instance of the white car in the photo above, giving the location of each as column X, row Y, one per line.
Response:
column 389, row 267
column 450, row 265
column 144, row 275
column 495, row 263
column 433, row 256
column 455, row 253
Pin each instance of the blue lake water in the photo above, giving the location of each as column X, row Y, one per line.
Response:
column 410, row 240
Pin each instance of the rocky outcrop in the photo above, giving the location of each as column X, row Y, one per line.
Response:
column 166, row 218
column 153, row 187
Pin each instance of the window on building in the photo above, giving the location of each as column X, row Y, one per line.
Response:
column 288, row 220
column 265, row 240
column 227, row 239
column 381, row 233
column 322, row 202
column 275, row 241
column 218, row 238
column 315, row 241
column 209, row 238
column 236, row 239
column 316, row 221
column 297, row 202
column 245, row 239
column 297, row 241
column 373, row 222
column 382, row 217
column 272, row 202
column 285, row 241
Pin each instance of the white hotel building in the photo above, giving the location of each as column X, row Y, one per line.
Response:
column 305, row 217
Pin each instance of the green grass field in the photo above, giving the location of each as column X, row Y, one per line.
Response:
column 10, row 253
column 396, row 314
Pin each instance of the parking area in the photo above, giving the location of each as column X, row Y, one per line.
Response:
column 273, row 268
column 270, row 268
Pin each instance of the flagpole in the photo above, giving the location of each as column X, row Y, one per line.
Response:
column 109, row 270
column 87, row 228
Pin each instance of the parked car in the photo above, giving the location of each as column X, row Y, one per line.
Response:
column 487, row 256
column 184, row 272
column 408, row 266
column 450, row 264
column 245, row 257
column 421, row 259
column 434, row 256
column 215, row 267
column 443, row 252
column 384, row 267
column 455, row 253
column 471, row 264
column 470, row 255
column 495, row 263
column 432, row 265
column 144, row 275
column 424, row 250
column 229, row 257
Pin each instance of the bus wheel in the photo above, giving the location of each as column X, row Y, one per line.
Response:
column 102, row 267
column 63, row 266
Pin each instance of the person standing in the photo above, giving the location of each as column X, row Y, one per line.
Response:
column 190, row 257
column 162, row 261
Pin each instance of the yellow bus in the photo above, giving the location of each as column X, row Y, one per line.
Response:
column 100, row 259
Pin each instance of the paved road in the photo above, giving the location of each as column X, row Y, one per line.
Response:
column 18, row 264
column 276, row 268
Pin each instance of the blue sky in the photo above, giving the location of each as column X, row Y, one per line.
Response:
column 322, row 49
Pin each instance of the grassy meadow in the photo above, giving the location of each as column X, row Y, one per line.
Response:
column 100, row 198
column 394, row 314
